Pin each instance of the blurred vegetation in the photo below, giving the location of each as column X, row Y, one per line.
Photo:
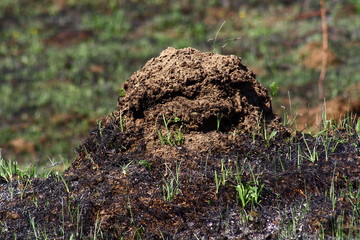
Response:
column 62, row 62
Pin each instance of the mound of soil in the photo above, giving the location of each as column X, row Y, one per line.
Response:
column 169, row 163
column 195, row 87
column 196, row 94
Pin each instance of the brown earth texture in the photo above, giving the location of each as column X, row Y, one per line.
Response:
column 192, row 151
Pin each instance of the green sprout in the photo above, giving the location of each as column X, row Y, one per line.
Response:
column 121, row 122
column 171, row 138
column 268, row 137
column 273, row 89
column 145, row 163
column 220, row 180
column 171, row 186
column 357, row 127
column 122, row 92
column 249, row 193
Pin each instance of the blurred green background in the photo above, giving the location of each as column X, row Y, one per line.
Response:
column 62, row 62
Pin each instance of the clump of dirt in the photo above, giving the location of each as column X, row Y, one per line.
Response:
column 198, row 88
column 197, row 92
column 192, row 130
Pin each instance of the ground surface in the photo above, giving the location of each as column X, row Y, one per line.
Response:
column 193, row 150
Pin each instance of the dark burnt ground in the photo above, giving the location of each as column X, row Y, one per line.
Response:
column 147, row 171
